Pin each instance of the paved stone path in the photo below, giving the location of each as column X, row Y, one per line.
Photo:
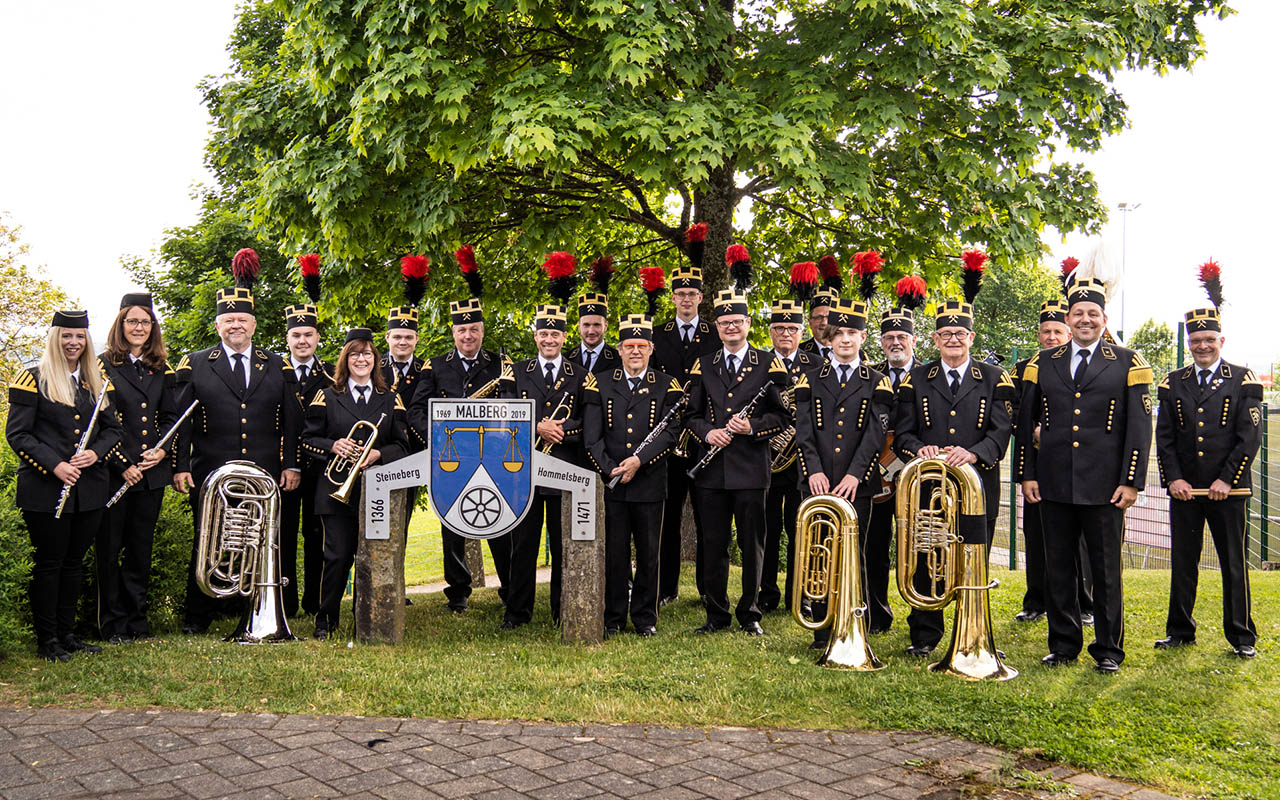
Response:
column 177, row 754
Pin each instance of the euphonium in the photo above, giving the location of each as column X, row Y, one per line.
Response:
column 238, row 552
column 343, row 472
column 942, row 528
column 829, row 569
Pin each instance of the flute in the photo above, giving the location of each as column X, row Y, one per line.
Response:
column 169, row 434
column 84, row 443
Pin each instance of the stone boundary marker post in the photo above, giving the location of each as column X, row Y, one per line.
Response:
column 582, row 587
column 379, row 577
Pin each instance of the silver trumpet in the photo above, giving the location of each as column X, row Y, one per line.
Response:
column 238, row 552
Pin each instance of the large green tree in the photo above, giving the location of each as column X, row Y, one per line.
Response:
column 27, row 302
column 1158, row 344
column 368, row 129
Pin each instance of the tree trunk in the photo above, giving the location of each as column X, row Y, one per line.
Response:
column 715, row 206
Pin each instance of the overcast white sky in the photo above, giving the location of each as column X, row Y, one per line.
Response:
column 101, row 143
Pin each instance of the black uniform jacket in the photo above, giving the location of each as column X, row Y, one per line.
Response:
column 330, row 417
column 978, row 418
column 262, row 425
column 616, row 421
column 802, row 362
column 531, row 384
column 1204, row 436
column 443, row 376
column 44, row 433
column 672, row 357
column 714, row 397
column 606, row 361
column 1092, row 439
column 320, row 377
column 407, row 387
column 841, row 430
column 146, row 405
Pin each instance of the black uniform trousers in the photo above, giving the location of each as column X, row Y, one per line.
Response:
column 679, row 486
column 59, row 546
column 874, row 539
column 456, row 575
column 863, row 510
column 123, row 555
column 1034, row 600
column 781, row 504
column 298, row 515
column 641, row 523
column 525, row 542
column 341, row 537
column 722, row 509
column 1226, row 519
column 1102, row 528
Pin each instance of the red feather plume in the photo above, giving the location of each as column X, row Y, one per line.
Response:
column 1211, row 279
column 310, row 267
column 466, row 256
column 696, row 236
column 697, row 232
column 866, row 267
column 602, row 270
column 804, row 279
column 1069, row 265
column 414, row 270
column 244, row 266
column 974, row 265
column 829, row 268
column 738, row 260
column 559, row 264
column 734, row 254
column 653, row 280
column 911, row 292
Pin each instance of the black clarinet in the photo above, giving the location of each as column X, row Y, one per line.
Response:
column 712, row 452
column 668, row 418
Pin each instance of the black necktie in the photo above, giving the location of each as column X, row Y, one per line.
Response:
column 141, row 368
column 826, row 352
column 1084, row 365
column 897, row 376
column 304, row 372
column 844, row 374
column 75, row 388
column 635, row 384
column 686, row 334
column 733, row 365
column 1204, row 378
column 551, row 374
column 586, row 359
column 467, row 364
column 237, row 370
column 955, row 381
column 787, row 361
column 361, row 399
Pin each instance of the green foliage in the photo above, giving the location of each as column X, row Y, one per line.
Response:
column 367, row 130
column 15, row 567
column 27, row 302
column 1007, row 312
column 1158, row 344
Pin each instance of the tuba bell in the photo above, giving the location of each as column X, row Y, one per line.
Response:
column 238, row 552
column 941, row 528
column 829, row 568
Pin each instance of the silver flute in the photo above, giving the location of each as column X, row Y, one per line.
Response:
column 82, row 444
column 169, row 434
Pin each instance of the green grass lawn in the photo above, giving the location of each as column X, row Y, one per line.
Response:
column 422, row 560
column 1193, row 721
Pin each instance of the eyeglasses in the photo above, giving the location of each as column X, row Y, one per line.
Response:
column 817, row 317
column 363, row 355
column 137, row 323
column 730, row 323
column 788, row 329
column 947, row 336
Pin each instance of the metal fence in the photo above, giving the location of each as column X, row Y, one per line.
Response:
column 1146, row 536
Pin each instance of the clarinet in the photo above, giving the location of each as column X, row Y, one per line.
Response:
column 712, row 452
column 668, row 418
column 169, row 434
column 82, row 444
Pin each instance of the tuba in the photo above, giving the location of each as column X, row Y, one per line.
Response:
column 238, row 552
column 344, row 472
column 828, row 568
column 942, row 526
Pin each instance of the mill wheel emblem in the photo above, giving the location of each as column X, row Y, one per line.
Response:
column 480, row 507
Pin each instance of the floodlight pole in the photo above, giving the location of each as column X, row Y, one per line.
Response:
column 1125, row 208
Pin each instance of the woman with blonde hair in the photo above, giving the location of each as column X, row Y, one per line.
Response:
column 50, row 406
column 144, row 390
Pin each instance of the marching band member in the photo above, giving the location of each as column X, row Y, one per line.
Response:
column 554, row 383
column 677, row 344
column 842, row 411
column 1053, row 332
column 248, row 411
column 898, row 341
column 730, row 489
column 145, row 398
column 50, row 405
column 622, row 408
column 459, row 373
column 1090, row 399
column 359, row 392
column 819, row 341
column 297, row 507
column 783, row 500
column 957, row 408
column 1208, row 430
column 592, row 352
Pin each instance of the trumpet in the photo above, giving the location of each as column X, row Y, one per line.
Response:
column 343, row 471
column 746, row 412
column 491, row 388
column 238, row 552
column 941, row 528
column 559, row 413
column 828, row 568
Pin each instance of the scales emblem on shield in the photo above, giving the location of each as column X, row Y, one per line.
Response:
column 481, row 468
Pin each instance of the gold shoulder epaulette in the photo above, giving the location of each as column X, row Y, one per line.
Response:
column 905, row 383
column 675, row 386
column 185, row 363
column 802, row 382
column 1031, row 372
column 1164, row 382
column 696, row 369
column 1249, row 377
column 1140, row 372
column 399, row 402
column 589, row 383
column 318, row 400
column 777, row 366
column 25, row 381
column 885, row 385
column 1005, row 380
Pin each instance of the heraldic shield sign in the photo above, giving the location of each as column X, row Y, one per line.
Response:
column 481, row 482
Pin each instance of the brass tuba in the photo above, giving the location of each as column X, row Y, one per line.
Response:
column 238, row 552
column 828, row 568
column 343, row 472
column 937, row 505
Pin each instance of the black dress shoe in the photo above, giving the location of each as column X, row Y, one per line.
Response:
column 1107, row 666
column 509, row 625
column 885, row 629
column 611, row 632
column 408, row 602
column 753, row 629
column 52, row 651
column 118, row 638
column 73, row 645
column 710, row 627
column 1086, row 619
column 462, row 609
column 1057, row 660
column 919, row 651
column 140, row 636
column 321, row 634
column 195, row 628
column 1029, row 616
column 1245, row 651
column 647, row 631
column 817, row 645
column 668, row 600
column 1170, row 642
